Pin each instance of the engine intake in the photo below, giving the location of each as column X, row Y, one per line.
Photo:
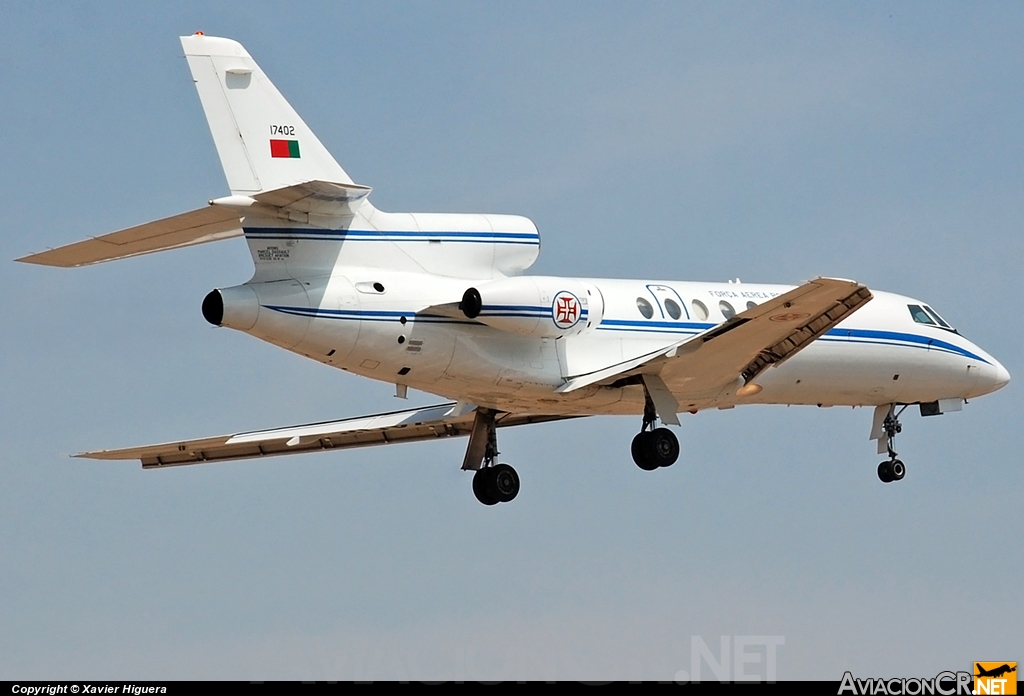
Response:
column 213, row 307
column 471, row 303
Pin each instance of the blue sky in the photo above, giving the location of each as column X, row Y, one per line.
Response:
column 770, row 142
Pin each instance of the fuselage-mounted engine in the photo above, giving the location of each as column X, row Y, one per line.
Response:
column 535, row 306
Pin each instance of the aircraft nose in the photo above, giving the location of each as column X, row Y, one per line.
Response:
column 1002, row 377
column 993, row 377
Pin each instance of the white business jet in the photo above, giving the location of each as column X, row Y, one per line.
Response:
column 439, row 303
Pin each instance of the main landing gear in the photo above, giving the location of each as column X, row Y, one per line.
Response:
column 652, row 447
column 496, row 483
column 892, row 469
column 492, row 483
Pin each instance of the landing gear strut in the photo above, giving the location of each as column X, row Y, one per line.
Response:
column 892, row 469
column 653, row 447
column 492, row 483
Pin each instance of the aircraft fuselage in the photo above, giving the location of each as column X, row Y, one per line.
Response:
column 372, row 323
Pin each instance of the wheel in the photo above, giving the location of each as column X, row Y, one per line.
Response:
column 897, row 469
column 641, row 451
column 664, row 447
column 504, row 483
column 482, row 488
column 885, row 472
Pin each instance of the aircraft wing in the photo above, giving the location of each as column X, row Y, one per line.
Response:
column 195, row 227
column 430, row 423
column 740, row 347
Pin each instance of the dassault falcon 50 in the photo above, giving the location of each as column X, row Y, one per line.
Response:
column 441, row 303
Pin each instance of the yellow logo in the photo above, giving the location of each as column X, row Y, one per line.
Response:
column 995, row 678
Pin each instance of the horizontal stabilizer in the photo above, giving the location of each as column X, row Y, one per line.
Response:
column 430, row 423
column 220, row 220
column 196, row 227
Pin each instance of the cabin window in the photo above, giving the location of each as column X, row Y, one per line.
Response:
column 727, row 311
column 751, row 305
column 674, row 310
column 645, row 307
column 700, row 310
column 919, row 315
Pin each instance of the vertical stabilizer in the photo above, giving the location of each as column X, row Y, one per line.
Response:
column 262, row 142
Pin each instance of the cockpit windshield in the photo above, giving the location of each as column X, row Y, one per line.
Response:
column 934, row 315
column 923, row 314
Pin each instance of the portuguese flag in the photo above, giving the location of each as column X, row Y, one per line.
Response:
column 284, row 148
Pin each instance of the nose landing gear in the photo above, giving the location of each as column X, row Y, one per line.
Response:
column 885, row 432
column 892, row 470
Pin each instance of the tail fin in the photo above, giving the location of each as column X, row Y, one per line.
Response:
column 262, row 142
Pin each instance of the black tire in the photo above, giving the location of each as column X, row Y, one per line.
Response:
column 897, row 470
column 884, row 472
column 504, row 483
column 641, row 451
column 482, row 487
column 664, row 447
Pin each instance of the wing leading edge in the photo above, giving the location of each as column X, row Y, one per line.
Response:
column 430, row 423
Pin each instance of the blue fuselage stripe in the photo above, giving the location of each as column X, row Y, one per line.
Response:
column 874, row 336
column 288, row 233
column 681, row 329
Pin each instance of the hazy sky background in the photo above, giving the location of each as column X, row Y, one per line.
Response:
column 770, row 142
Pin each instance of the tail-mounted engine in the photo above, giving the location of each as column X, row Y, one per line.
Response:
column 535, row 306
column 276, row 311
column 236, row 308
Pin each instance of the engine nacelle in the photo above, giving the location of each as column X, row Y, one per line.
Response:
column 236, row 308
column 535, row 306
column 276, row 311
